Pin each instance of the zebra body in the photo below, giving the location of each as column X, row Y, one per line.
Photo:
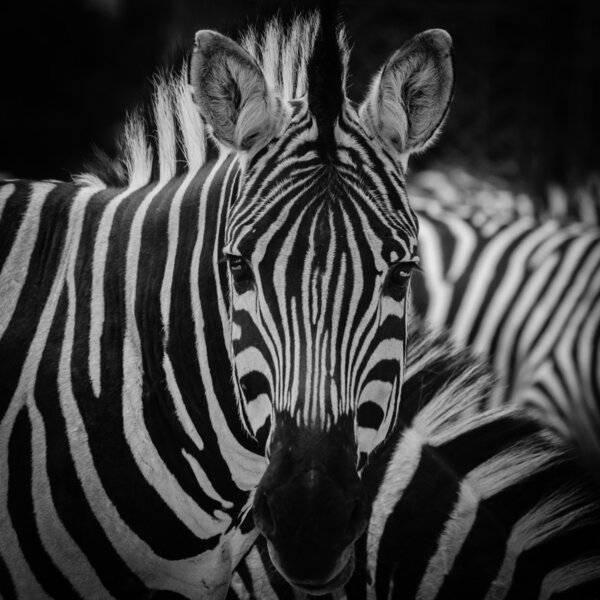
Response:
column 469, row 500
column 207, row 342
column 87, row 418
column 524, row 292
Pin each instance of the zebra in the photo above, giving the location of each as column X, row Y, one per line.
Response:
column 213, row 348
column 525, row 292
column 469, row 499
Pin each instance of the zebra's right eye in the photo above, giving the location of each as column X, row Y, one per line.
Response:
column 398, row 279
column 240, row 272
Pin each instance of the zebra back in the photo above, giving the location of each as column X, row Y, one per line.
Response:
column 525, row 292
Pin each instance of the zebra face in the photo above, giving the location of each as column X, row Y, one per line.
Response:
column 320, row 244
column 319, row 273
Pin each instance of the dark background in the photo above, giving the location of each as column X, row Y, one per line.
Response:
column 526, row 108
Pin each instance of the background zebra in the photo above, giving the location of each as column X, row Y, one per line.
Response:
column 524, row 291
column 469, row 501
column 280, row 252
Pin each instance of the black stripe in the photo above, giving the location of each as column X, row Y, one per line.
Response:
column 7, row 587
column 485, row 545
column 412, row 529
column 244, row 574
column 584, row 591
column 478, row 561
column 12, row 216
column 477, row 445
column 138, row 503
column 562, row 548
column 22, row 515
column 45, row 259
column 181, row 346
column 67, row 493
column 162, row 424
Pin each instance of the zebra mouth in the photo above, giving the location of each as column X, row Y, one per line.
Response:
column 320, row 588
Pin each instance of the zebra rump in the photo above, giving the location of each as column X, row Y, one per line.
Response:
column 469, row 501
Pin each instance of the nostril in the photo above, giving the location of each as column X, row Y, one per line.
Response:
column 263, row 516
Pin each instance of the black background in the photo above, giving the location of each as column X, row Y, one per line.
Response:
column 526, row 109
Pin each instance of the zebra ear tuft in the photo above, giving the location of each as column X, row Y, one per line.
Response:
column 231, row 92
column 409, row 98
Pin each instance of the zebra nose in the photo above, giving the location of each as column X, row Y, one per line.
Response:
column 312, row 501
column 311, row 523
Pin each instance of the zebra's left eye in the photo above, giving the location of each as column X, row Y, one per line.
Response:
column 240, row 272
column 398, row 279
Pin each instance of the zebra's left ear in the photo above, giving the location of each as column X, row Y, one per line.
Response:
column 409, row 98
column 230, row 90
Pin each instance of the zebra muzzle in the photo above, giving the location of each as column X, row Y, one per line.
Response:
column 311, row 507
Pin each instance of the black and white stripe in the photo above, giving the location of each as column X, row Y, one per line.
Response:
column 279, row 251
column 469, row 501
column 526, row 293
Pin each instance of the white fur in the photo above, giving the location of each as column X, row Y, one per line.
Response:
column 193, row 136
column 144, row 451
column 421, row 71
column 137, row 155
column 89, row 180
column 246, row 467
column 164, row 115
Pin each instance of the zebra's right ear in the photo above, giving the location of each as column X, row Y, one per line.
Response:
column 409, row 98
column 231, row 93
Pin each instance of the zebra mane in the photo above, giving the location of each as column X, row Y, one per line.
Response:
column 173, row 138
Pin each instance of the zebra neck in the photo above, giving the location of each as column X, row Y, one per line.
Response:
column 176, row 310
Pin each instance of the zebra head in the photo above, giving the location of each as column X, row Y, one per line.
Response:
column 320, row 241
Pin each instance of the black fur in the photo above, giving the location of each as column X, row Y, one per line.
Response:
column 325, row 72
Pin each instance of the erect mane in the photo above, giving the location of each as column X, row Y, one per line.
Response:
column 173, row 137
column 285, row 51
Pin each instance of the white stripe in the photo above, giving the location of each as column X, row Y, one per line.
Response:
column 72, row 562
column 548, row 304
column 555, row 514
column 205, row 483
column 26, row 585
column 16, row 267
column 401, row 469
column 508, row 288
column 246, row 467
column 56, row 540
column 520, row 309
column 450, row 542
column 97, row 307
column 567, row 576
column 183, row 576
column 49, row 525
column 439, row 288
column 144, row 452
column 180, row 409
column 481, row 276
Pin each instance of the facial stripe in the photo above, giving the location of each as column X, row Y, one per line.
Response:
column 320, row 241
